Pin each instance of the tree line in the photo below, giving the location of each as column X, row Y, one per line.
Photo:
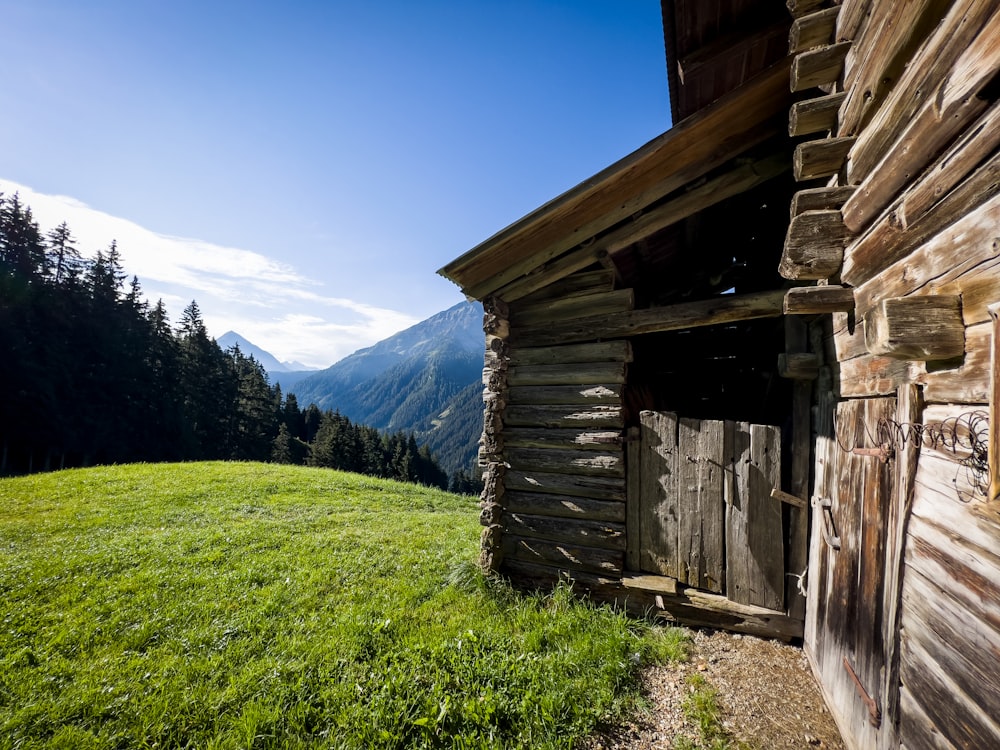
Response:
column 92, row 373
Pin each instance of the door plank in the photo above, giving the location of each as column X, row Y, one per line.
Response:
column 701, row 509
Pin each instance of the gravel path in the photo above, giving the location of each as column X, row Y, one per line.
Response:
column 765, row 690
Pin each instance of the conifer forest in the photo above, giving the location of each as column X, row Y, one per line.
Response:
column 92, row 373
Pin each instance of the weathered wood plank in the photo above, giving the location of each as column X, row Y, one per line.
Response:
column 800, row 449
column 969, row 383
column 602, row 534
column 548, row 272
column 605, row 393
column 583, row 439
column 582, row 373
column 820, row 199
column 887, row 241
column 946, row 494
column 633, row 493
column 957, row 717
column 714, row 311
column 654, row 584
column 908, row 411
column 924, row 327
column 818, row 66
column 818, row 115
column 821, row 158
column 701, row 608
column 814, row 246
column 917, row 85
column 658, row 521
column 813, row 30
column 851, row 19
column 963, row 252
column 564, row 506
column 598, row 488
column 962, row 571
column 564, row 415
column 700, row 505
column 567, row 308
column 580, row 283
column 565, row 555
column 565, row 461
column 598, row 351
column 958, row 100
column 879, row 56
column 740, row 179
column 801, row 7
column 961, row 158
column 818, row 300
column 917, row 731
column 875, row 376
column 755, row 570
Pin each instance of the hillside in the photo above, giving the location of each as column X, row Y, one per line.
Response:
column 418, row 380
column 233, row 604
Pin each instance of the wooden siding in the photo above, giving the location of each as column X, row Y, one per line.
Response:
column 904, row 571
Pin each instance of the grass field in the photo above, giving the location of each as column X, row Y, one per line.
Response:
column 226, row 605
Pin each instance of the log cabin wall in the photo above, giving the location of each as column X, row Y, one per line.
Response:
column 552, row 449
column 898, row 225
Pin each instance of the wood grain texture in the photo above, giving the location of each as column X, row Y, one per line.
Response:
column 658, row 487
column 700, row 504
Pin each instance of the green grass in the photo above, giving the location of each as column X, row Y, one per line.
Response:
column 224, row 605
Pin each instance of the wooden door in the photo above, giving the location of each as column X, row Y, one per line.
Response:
column 843, row 633
column 702, row 511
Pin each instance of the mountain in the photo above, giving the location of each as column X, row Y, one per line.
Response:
column 419, row 380
column 289, row 372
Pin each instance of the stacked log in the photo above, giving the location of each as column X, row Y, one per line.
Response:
column 552, row 450
column 497, row 329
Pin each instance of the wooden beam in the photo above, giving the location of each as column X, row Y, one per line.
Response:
column 822, row 158
column 924, row 327
column 566, row 461
column 813, row 30
column 551, row 271
column 579, row 373
column 715, row 311
column 993, row 446
column 743, row 177
column 708, row 139
column 598, row 351
column 818, row 66
column 789, row 499
column 878, row 56
column 958, row 100
column 798, row 366
column 656, row 584
column 814, row 246
column 818, row 300
column 820, row 199
column 801, row 7
column 887, row 242
column 815, row 115
column 725, row 47
column 932, row 63
column 566, row 308
column 961, row 158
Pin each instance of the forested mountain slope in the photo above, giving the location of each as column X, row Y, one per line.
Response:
column 409, row 380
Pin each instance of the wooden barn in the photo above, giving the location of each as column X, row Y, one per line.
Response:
column 746, row 376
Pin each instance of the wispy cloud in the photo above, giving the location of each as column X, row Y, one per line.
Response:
column 269, row 302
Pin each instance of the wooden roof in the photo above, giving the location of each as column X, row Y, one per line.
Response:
column 715, row 46
column 568, row 232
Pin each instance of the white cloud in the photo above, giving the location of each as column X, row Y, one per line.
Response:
column 269, row 302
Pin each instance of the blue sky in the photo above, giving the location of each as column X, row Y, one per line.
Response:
column 303, row 168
